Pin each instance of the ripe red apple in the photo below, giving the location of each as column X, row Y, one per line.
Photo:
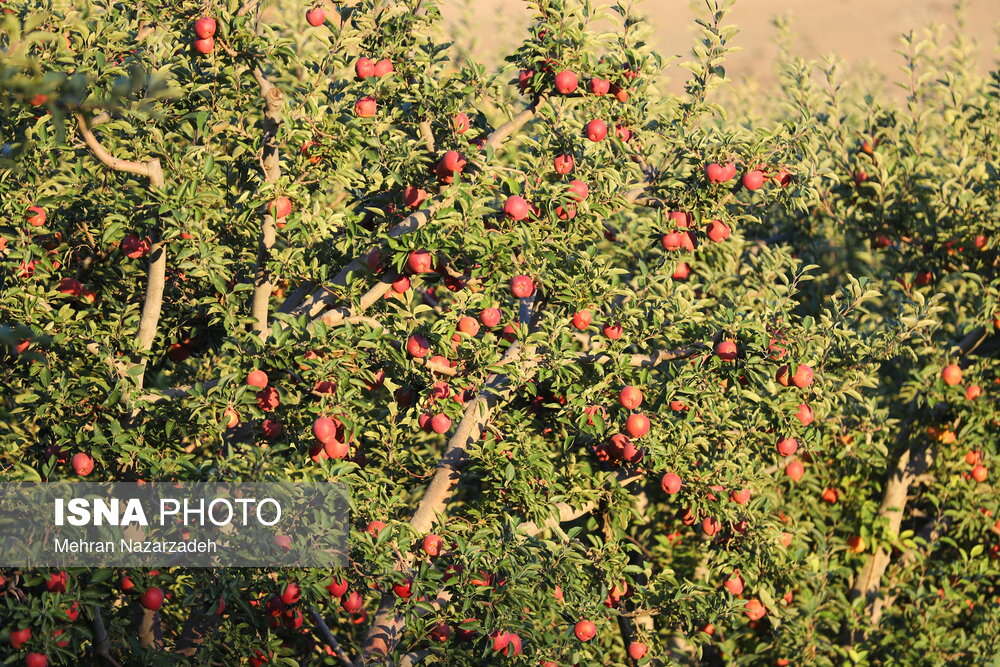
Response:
column 19, row 637
column 365, row 107
column 599, row 86
column 726, row 350
column 566, row 82
column 710, row 526
column 413, row 196
column 830, row 496
column 291, row 593
column 440, row 423
column 755, row 610
column 585, row 630
column 516, row 208
column 740, row 497
column 734, row 583
column 630, row 397
column 35, row 216
column 468, row 325
column 717, row 173
column 671, row 241
column 795, row 470
column 232, row 418
column 403, row 590
column 522, row 286
column 352, row 602
column 490, row 317
column 787, row 446
column 804, row 414
column 451, row 162
column 980, row 473
column 205, row 27
column 432, row 544
column 973, row 457
column 417, row 346
column 57, row 581
column 681, row 271
column 461, row 123
column 257, row 378
column 83, row 464
column 36, row 660
column 637, row 425
column 753, row 180
column 152, row 599
column 524, row 79
column 637, row 650
column 205, row 45
column 952, row 374
column 271, row 429
column 268, row 398
column 337, row 587
column 803, row 376
column 419, row 261
column 717, row 231
column 596, row 130
column 612, row 331
column 280, row 207
column 364, row 68
column 973, row 391
column 384, row 67
column 401, row 284
column 327, row 429
column 564, row 163
column 315, row 17
column 375, row 527
column 582, row 319
column 70, row 287
column 578, row 190
column 507, row 643
column 671, row 483
column 133, row 247
column 624, row 132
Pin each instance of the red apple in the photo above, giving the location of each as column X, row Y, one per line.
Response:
column 804, row 414
column 271, row 429
column 364, row 68
column 365, row 107
column 637, row 650
column 596, row 130
column 630, row 397
column 280, row 207
column 740, row 497
column 204, row 46
column 205, row 27
column 726, row 350
column 417, row 346
column 70, row 287
column 803, row 376
column 637, row 425
column 291, row 593
column 133, row 247
column 578, row 190
column 327, row 429
column 599, row 86
column 787, row 446
column 83, row 464
column 973, row 391
column 952, row 374
column 400, row 285
column 352, row 602
column 490, row 317
column 36, row 660
column 612, row 331
column 710, row 526
column 403, row 590
column 35, row 216
column 795, row 470
column 585, row 630
column 755, row 610
column 830, row 496
column 582, row 319
column 337, row 587
column 419, row 261
column 257, row 378
column 681, row 271
column 672, row 241
column 516, row 208
column 461, row 123
column 753, row 180
column 315, row 17
column 564, row 163
column 440, row 423
column 566, row 82
column 717, row 231
column 671, row 483
column 522, row 286
column 19, row 638
column 384, row 67
column 152, row 599
column 980, row 473
column 375, row 527
column 734, row 583
column 413, row 196
column 432, row 544
column 717, row 173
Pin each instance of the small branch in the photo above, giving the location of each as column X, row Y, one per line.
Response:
column 102, row 154
column 647, row 360
column 328, row 637
column 427, row 135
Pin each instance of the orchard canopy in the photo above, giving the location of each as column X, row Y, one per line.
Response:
column 615, row 376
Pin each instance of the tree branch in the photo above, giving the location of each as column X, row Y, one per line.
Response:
column 328, row 637
column 102, row 646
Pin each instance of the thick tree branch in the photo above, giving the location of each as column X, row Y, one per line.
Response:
column 328, row 637
column 102, row 646
column 106, row 158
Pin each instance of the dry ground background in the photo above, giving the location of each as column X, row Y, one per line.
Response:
column 864, row 33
